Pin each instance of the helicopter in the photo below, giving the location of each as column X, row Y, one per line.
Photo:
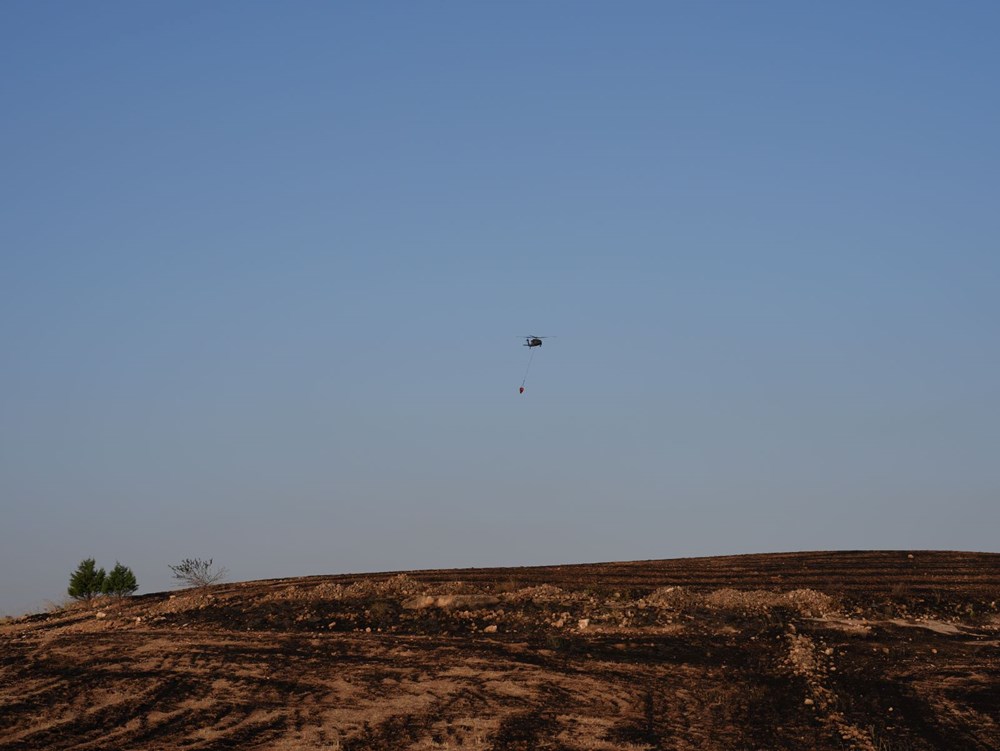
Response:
column 533, row 341
column 530, row 342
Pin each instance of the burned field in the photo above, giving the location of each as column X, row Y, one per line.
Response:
column 865, row 650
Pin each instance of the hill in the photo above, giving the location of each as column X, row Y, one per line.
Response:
column 828, row 650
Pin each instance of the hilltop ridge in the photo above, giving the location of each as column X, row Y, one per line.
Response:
column 870, row 650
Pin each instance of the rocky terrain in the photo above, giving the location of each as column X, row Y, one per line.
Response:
column 878, row 651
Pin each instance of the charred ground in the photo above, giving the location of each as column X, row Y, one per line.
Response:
column 867, row 650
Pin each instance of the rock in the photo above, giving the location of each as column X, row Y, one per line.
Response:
column 138, row 619
column 368, row 629
column 450, row 602
column 559, row 624
column 808, row 702
column 491, row 629
column 583, row 623
column 100, row 614
column 467, row 602
column 418, row 603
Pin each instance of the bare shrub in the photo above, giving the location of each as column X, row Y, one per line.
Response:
column 196, row 572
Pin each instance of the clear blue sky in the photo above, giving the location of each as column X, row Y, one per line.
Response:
column 263, row 270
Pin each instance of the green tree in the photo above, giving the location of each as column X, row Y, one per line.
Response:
column 120, row 582
column 86, row 581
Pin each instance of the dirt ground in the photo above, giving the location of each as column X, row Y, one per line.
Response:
column 879, row 651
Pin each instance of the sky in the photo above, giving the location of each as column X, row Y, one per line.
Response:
column 266, row 270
